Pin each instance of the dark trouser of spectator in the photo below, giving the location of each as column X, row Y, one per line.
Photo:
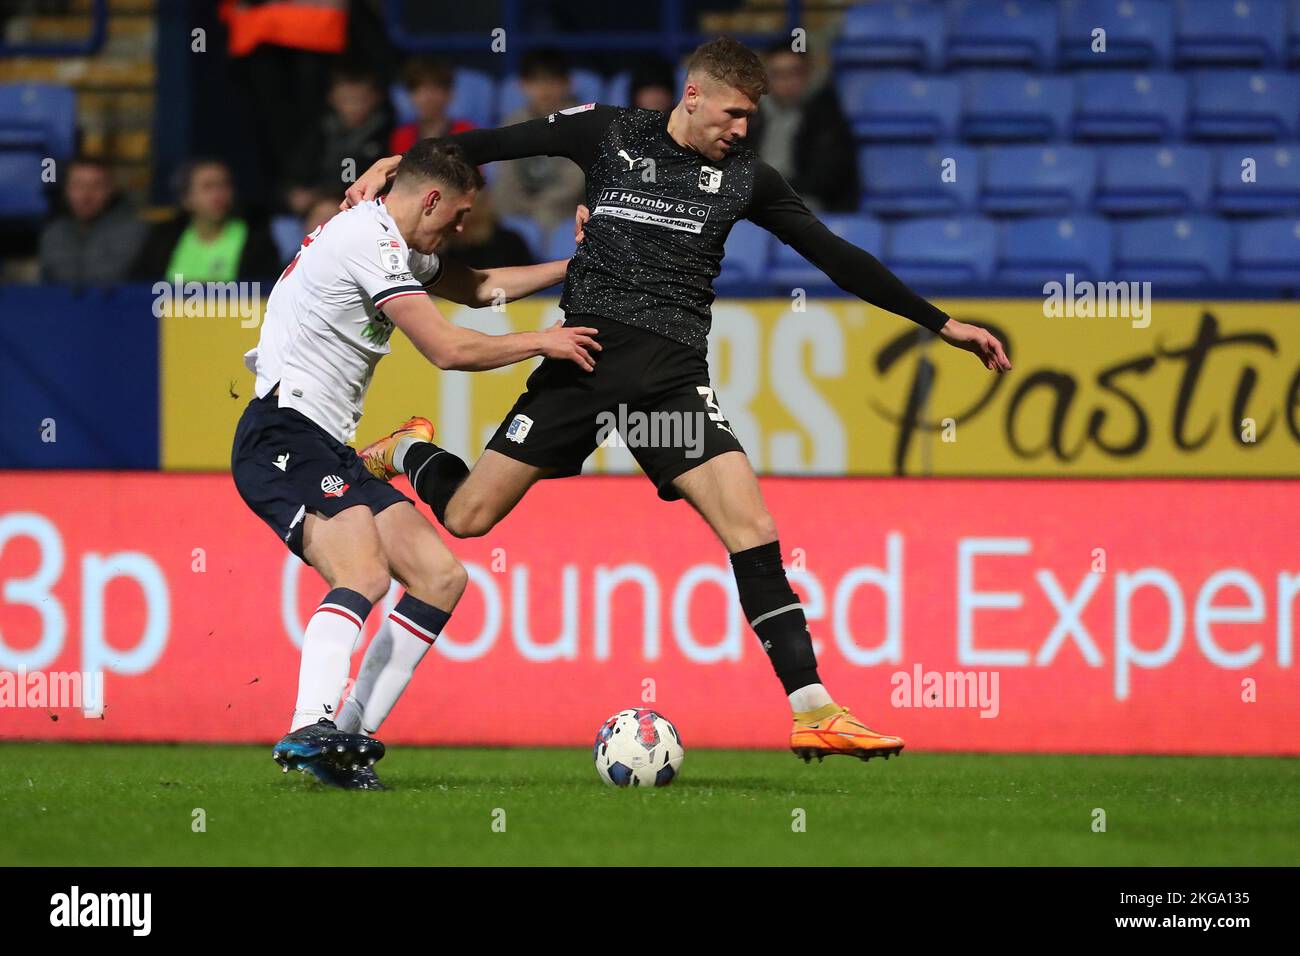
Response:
column 285, row 93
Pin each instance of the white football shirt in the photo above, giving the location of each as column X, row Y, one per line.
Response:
column 323, row 329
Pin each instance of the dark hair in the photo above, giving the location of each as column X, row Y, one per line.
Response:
column 183, row 177
column 653, row 74
column 731, row 62
column 353, row 74
column 418, row 72
column 441, row 161
column 544, row 63
column 97, row 162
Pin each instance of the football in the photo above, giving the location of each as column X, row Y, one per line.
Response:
column 638, row 748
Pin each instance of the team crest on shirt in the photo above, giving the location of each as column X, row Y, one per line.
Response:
column 570, row 111
column 333, row 486
column 710, row 179
column 390, row 255
column 519, row 428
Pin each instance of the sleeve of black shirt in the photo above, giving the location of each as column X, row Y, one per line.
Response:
column 778, row 209
column 574, row 135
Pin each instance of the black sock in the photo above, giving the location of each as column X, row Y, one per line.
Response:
column 776, row 615
column 435, row 474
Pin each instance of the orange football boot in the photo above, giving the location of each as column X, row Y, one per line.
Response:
column 833, row 730
column 378, row 456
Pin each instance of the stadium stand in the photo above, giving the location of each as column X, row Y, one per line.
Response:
column 1042, row 249
column 1154, row 180
column 1267, row 253
column 1007, row 34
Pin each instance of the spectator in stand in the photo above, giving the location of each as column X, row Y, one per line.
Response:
column 207, row 242
column 484, row 243
column 653, row 87
column 99, row 237
column 801, row 132
column 321, row 211
column 546, row 189
column 430, row 84
column 353, row 134
column 281, row 55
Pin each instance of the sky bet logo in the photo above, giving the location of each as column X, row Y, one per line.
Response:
column 75, row 909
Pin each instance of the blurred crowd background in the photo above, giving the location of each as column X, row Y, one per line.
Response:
column 970, row 143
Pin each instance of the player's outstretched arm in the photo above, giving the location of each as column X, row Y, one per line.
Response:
column 777, row 208
column 481, row 287
column 449, row 346
column 574, row 134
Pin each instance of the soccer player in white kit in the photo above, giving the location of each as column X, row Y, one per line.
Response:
column 326, row 325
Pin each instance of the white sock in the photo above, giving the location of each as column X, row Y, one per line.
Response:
column 327, row 646
column 395, row 651
column 809, row 698
column 399, row 453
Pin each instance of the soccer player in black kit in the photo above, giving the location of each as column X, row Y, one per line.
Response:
column 664, row 191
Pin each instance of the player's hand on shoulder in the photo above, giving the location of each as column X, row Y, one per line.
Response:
column 574, row 343
column 982, row 342
column 372, row 182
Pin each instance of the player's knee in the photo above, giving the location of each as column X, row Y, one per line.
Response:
column 761, row 527
column 455, row 578
column 372, row 583
column 448, row 576
column 468, row 521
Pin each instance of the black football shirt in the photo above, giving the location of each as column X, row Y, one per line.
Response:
column 661, row 213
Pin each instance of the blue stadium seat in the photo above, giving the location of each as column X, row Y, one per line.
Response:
column 618, row 91
column 1275, row 187
column 1230, row 32
column 1244, row 104
column 473, row 98
column 1173, row 250
column 559, row 242
column 534, row 236
column 910, row 180
column 1037, row 180
column 1044, row 248
column 1267, row 252
column 23, row 196
column 944, row 251
column 38, row 116
column 400, row 100
column 747, row 253
column 588, row 87
column 895, row 34
column 287, row 233
column 1293, row 36
column 1011, row 105
column 1130, row 106
column 1139, row 33
column 788, row 267
column 900, row 107
column 1010, row 33
column 1154, row 180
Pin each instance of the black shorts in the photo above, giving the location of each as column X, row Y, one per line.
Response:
column 652, row 391
column 285, row 466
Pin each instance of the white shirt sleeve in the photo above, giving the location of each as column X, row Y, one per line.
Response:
column 427, row 269
column 379, row 263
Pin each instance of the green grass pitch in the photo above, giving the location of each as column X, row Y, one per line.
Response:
column 69, row 804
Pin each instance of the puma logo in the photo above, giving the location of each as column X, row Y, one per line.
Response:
column 282, row 461
column 630, row 161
